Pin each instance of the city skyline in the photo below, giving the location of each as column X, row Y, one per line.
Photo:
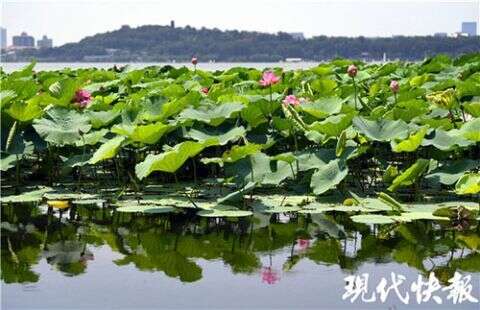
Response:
column 345, row 18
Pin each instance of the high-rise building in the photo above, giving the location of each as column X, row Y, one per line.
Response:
column 172, row 24
column 23, row 40
column 469, row 28
column 3, row 38
column 45, row 42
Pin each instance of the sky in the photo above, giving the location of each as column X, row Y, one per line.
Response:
column 71, row 20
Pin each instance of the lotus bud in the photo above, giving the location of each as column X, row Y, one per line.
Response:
column 394, row 86
column 352, row 71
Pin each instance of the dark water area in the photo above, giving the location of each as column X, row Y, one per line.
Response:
column 98, row 259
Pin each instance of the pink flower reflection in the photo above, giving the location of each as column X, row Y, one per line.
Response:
column 269, row 275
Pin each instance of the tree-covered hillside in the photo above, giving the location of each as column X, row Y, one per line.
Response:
column 164, row 43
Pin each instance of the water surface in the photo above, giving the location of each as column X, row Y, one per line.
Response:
column 96, row 258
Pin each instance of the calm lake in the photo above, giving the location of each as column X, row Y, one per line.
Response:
column 95, row 258
column 13, row 66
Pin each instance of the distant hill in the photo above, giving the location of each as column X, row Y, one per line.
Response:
column 164, row 43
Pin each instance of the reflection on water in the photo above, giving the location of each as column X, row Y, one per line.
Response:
column 181, row 247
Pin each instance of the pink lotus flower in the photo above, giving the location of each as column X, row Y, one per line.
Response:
column 194, row 60
column 291, row 100
column 82, row 98
column 352, row 71
column 269, row 276
column 269, row 78
column 204, row 90
column 303, row 244
column 394, row 86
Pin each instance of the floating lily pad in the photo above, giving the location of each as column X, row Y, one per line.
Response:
column 147, row 209
column 224, row 211
column 68, row 196
column 88, row 201
column 32, row 196
column 281, row 209
column 412, row 216
column 372, row 219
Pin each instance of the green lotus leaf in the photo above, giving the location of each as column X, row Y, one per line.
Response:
column 67, row 195
column 390, row 173
column 410, row 175
column 470, row 87
column 253, row 114
column 170, row 160
column 409, row 109
column 372, row 219
column 25, row 111
column 324, row 86
column 32, row 196
column 238, row 194
column 473, row 108
column 174, row 107
column 328, row 176
column 92, row 138
column 214, row 115
column 381, row 130
column 100, row 119
column 449, row 173
column 333, row 125
column 411, row 143
column 7, row 162
column 471, row 130
column 145, row 209
column 64, row 90
column 286, row 157
column 78, row 160
column 468, row 184
column 223, row 137
column 62, row 126
column 238, row 152
column 224, row 211
column 312, row 160
column 148, row 134
column 6, row 96
column 432, row 207
column 88, row 202
column 418, row 215
column 471, row 240
column 281, row 171
column 107, row 150
column 323, row 107
column 446, row 140
column 279, row 209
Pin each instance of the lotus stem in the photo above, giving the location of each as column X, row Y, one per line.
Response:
column 355, row 92
column 194, row 164
column 452, row 118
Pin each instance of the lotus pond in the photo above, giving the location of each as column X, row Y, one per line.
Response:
column 164, row 186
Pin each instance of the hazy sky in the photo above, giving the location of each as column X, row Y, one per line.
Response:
column 69, row 21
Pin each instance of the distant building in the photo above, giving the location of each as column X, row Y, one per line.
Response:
column 172, row 24
column 3, row 38
column 440, row 34
column 458, row 34
column 297, row 35
column 23, row 40
column 470, row 28
column 45, row 43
